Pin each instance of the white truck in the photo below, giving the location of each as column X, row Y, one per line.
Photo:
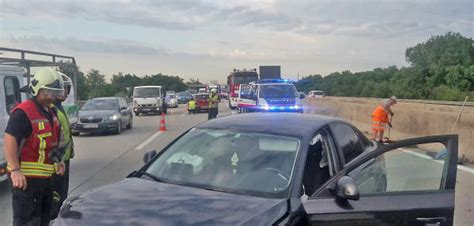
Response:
column 11, row 80
column 148, row 99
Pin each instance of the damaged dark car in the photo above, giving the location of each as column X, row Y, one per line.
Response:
column 278, row 169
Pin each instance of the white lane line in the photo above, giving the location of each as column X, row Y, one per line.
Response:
column 148, row 141
column 183, row 114
column 463, row 168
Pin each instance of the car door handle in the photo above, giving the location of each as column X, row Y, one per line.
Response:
column 431, row 220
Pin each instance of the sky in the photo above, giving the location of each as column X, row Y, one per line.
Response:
column 207, row 39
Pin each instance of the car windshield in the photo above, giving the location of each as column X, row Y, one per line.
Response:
column 235, row 162
column 146, row 92
column 100, row 104
column 278, row 91
column 243, row 78
column 319, row 93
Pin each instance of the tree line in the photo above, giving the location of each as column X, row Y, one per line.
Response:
column 93, row 83
column 441, row 68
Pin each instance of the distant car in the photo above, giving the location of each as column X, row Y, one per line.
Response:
column 302, row 94
column 105, row 114
column 278, row 169
column 171, row 100
column 170, row 92
column 202, row 102
column 316, row 93
column 184, row 97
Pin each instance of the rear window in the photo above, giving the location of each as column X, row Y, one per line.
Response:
column 201, row 97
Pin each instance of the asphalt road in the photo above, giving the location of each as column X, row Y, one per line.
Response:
column 105, row 159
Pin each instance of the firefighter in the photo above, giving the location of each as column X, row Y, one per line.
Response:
column 66, row 147
column 380, row 117
column 192, row 106
column 30, row 141
column 213, row 104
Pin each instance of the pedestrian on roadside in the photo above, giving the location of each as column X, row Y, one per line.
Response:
column 31, row 138
column 213, row 105
column 380, row 117
column 192, row 106
column 66, row 147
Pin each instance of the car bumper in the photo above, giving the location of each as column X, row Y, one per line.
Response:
column 146, row 109
column 94, row 127
column 276, row 109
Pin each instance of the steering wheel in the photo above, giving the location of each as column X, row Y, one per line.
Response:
column 280, row 175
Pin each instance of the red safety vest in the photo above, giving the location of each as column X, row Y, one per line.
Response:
column 34, row 160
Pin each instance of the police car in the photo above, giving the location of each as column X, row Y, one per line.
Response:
column 270, row 95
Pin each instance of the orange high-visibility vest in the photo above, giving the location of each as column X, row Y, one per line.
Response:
column 380, row 114
column 34, row 157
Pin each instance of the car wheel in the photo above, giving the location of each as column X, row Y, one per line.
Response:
column 130, row 123
column 119, row 128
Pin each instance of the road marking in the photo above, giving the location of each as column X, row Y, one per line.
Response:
column 463, row 168
column 148, row 141
column 183, row 114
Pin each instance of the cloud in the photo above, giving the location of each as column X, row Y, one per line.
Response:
column 75, row 45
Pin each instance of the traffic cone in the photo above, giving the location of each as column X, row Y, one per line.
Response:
column 162, row 122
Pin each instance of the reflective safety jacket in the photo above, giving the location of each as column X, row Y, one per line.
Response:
column 35, row 149
column 191, row 105
column 213, row 101
column 380, row 114
column 65, row 140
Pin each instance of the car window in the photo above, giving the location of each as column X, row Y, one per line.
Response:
column 415, row 168
column 347, row 140
column 236, row 162
column 318, row 166
column 12, row 92
column 100, row 104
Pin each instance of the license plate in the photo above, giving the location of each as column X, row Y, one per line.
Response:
column 91, row 125
column 146, row 109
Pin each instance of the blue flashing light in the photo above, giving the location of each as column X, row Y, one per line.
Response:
column 272, row 108
column 266, row 108
column 282, row 108
column 297, row 107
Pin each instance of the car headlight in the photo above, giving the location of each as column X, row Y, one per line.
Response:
column 115, row 117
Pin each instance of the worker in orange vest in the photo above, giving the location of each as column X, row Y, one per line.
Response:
column 380, row 117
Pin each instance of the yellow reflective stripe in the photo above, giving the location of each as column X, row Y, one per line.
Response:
column 34, row 165
column 41, row 125
column 44, row 135
column 42, row 146
column 30, row 172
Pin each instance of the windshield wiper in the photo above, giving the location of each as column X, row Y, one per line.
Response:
column 155, row 178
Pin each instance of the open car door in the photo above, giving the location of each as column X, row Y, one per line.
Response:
column 411, row 182
column 247, row 98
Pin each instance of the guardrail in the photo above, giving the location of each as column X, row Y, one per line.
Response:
column 436, row 102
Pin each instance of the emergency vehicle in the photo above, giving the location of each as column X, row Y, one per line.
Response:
column 272, row 95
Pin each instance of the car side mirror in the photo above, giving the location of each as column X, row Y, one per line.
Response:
column 302, row 96
column 148, row 156
column 346, row 189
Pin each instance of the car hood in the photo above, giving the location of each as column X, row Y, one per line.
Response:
column 135, row 201
column 96, row 113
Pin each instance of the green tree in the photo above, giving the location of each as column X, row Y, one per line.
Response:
column 95, row 82
column 72, row 71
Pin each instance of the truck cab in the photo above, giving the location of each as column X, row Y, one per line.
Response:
column 148, row 99
column 11, row 80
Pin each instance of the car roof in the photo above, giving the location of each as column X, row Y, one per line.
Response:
column 287, row 124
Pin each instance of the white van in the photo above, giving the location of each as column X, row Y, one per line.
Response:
column 11, row 80
column 148, row 99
